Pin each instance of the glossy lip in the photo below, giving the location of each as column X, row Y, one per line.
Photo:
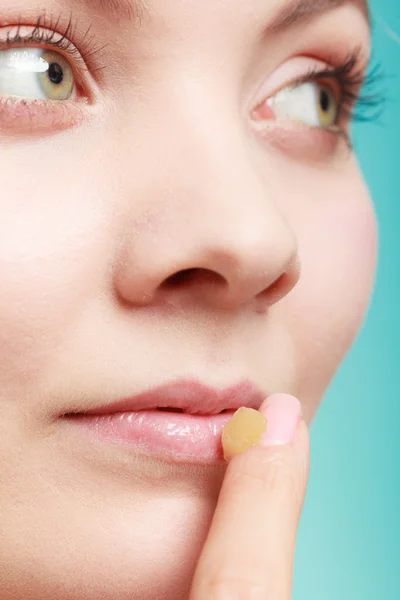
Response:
column 190, row 396
column 189, row 433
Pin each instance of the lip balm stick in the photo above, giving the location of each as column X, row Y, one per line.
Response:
column 243, row 431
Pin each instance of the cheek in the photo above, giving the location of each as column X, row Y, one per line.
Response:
column 339, row 250
column 48, row 257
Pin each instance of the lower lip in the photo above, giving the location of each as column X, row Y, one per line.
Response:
column 177, row 437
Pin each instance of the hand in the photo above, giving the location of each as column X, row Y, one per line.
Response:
column 249, row 551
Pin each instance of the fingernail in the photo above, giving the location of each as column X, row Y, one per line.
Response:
column 283, row 414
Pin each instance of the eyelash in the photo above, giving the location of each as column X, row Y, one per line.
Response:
column 47, row 31
column 359, row 100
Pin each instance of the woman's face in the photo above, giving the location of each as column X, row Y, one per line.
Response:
column 174, row 140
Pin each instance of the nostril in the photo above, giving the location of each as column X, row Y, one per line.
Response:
column 182, row 276
column 282, row 286
column 198, row 275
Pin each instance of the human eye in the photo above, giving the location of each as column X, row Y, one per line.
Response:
column 312, row 103
column 36, row 74
column 325, row 100
column 44, row 78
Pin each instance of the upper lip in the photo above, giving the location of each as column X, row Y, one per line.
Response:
column 190, row 396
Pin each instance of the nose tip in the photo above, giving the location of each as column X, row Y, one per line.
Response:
column 261, row 267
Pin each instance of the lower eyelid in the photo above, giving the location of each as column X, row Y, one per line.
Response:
column 37, row 116
column 302, row 141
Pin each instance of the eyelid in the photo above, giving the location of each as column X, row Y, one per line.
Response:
column 33, row 35
column 39, row 117
column 288, row 74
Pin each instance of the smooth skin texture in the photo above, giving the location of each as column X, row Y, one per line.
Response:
column 103, row 206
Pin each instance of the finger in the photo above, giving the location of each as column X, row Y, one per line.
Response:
column 250, row 547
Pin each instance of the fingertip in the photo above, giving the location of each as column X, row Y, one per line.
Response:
column 283, row 413
column 283, row 399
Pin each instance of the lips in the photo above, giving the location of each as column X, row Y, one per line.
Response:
column 188, row 396
column 180, row 422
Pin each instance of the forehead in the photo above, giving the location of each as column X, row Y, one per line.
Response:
column 282, row 12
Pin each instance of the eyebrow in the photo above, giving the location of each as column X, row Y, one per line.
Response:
column 298, row 11
column 292, row 13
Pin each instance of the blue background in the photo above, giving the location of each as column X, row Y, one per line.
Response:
column 349, row 538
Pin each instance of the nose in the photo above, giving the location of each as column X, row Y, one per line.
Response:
column 206, row 229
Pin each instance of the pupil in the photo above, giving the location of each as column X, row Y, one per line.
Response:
column 325, row 100
column 56, row 74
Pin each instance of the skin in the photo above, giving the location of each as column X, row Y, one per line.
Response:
column 277, row 222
